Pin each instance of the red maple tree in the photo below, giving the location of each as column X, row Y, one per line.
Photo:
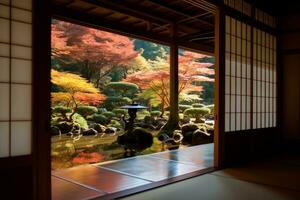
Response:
column 98, row 51
column 191, row 72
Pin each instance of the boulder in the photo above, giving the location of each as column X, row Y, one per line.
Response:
column 99, row 128
column 200, row 137
column 188, row 128
column 110, row 130
column 54, row 130
column 65, row 127
column 89, row 131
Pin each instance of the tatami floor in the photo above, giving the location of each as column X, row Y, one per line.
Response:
column 277, row 178
column 89, row 181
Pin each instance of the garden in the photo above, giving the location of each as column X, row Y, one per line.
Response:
column 110, row 97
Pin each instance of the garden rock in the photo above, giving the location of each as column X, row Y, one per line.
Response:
column 110, row 130
column 90, row 131
column 137, row 140
column 65, row 127
column 200, row 137
column 188, row 128
column 55, row 131
column 99, row 128
column 160, row 124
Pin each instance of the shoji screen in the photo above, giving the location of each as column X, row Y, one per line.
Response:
column 250, row 77
column 15, row 77
column 264, row 79
column 237, row 76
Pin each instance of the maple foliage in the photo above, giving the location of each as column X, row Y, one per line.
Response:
column 76, row 90
column 157, row 80
column 99, row 52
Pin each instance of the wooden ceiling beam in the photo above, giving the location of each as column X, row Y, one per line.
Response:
column 179, row 12
column 129, row 10
column 87, row 19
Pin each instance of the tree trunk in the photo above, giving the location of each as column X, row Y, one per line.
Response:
column 173, row 122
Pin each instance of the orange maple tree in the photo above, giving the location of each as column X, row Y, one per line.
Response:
column 75, row 90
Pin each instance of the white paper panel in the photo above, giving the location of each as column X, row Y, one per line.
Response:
column 227, row 22
column 232, row 122
column 4, row 139
column 233, row 84
column 20, row 102
column 6, row 2
column 21, row 15
column 232, row 101
column 227, row 103
column 20, row 138
column 238, row 122
column 21, row 71
column 254, row 120
column 4, row 30
column 244, row 105
column 21, row 33
column 238, row 85
column 248, row 125
column 227, row 64
column 21, row 52
column 4, row 11
column 4, row 69
column 4, row 101
column 26, row 4
column 4, row 49
column 227, row 43
column 227, row 85
column 243, row 118
column 227, row 122
column 244, row 86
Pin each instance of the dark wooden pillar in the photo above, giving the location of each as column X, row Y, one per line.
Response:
column 41, row 98
column 219, row 134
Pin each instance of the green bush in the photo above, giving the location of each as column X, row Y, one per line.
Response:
column 99, row 118
column 79, row 120
column 198, row 105
column 112, row 102
column 140, row 115
column 197, row 113
column 211, row 107
column 155, row 113
column 63, row 110
column 119, row 112
column 86, row 110
column 115, row 123
column 182, row 107
column 109, row 115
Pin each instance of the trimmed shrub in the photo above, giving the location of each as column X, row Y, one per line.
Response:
column 80, row 121
column 115, row 123
column 155, row 113
column 198, row 105
column 63, row 110
column 140, row 115
column 119, row 112
column 86, row 110
column 182, row 107
column 109, row 115
column 101, row 119
column 211, row 107
column 188, row 128
column 197, row 113
column 101, row 110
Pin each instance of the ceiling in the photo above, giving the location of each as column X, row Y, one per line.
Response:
column 188, row 22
